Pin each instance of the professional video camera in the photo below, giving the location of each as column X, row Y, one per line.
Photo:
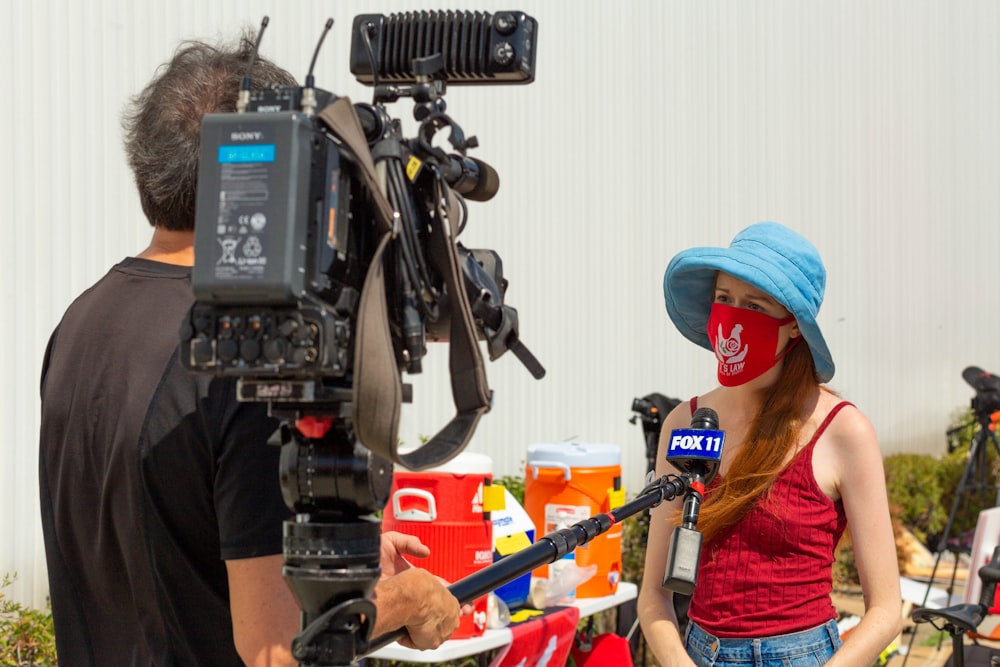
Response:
column 326, row 259
column 987, row 386
column 650, row 411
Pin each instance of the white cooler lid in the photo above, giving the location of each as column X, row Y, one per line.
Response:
column 575, row 454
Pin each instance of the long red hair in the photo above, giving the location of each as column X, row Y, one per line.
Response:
column 772, row 437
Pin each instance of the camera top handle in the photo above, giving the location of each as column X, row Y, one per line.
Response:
column 377, row 392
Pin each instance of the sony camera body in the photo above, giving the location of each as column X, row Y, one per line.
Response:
column 286, row 233
column 279, row 262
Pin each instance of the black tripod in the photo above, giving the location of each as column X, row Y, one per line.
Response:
column 960, row 619
column 650, row 411
column 332, row 547
column 975, row 478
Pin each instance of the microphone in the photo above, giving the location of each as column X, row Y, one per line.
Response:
column 309, row 90
column 696, row 452
column 471, row 178
column 243, row 97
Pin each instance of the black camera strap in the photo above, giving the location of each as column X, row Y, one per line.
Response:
column 378, row 391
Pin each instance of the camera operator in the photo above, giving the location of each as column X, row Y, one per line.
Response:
column 161, row 505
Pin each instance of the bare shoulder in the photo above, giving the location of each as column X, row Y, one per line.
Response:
column 847, row 450
column 850, row 432
column 679, row 417
column 681, row 412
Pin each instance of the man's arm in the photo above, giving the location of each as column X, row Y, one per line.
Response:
column 266, row 616
column 265, row 613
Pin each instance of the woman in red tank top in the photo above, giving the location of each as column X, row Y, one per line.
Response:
column 799, row 465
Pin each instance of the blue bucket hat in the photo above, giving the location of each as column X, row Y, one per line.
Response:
column 769, row 256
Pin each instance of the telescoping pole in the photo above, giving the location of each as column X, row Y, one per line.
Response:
column 551, row 548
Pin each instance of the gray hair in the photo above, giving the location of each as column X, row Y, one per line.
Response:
column 163, row 123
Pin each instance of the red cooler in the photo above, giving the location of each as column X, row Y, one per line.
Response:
column 445, row 508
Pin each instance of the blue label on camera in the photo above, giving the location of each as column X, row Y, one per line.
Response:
column 231, row 153
column 691, row 443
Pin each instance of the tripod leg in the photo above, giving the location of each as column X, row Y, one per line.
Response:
column 959, row 492
column 957, row 649
column 996, row 448
column 971, row 461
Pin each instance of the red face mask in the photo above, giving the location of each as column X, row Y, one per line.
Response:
column 744, row 342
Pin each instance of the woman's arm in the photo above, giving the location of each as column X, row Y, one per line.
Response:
column 656, row 604
column 851, row 448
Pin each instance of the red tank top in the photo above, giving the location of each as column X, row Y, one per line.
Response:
column 771, row 573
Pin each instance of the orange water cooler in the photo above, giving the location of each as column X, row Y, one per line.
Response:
column 448, row 507
column 570, row 481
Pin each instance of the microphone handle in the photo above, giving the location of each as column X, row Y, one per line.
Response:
column 692, row 507
column 681, row 573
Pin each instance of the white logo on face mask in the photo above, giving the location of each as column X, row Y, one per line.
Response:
column 731, row 350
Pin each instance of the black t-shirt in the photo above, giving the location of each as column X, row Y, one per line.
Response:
column 151, row 476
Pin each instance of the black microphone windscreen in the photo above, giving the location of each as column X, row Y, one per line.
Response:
column 705, row 418
column 487, row 184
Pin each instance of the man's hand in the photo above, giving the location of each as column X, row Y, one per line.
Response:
column 397, row 545
column 418, row 602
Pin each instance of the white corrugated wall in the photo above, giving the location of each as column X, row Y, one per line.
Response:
column 652, row 126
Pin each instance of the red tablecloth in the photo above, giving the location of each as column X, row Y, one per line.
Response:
column 541, row 641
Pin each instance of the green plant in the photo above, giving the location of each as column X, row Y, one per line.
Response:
column 915, row 486
column 514, row 484
column 845, row 569
column 27, row 636
column 924, row 487
column 635, row 532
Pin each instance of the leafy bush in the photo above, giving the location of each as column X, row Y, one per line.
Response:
column 635, row 532
column 514, row 484
column 924, row 487
column 26, row 635
column 915, row 483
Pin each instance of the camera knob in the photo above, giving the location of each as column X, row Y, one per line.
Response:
column 503, row 54
column 274, row 350
column 227, row 350
column 288, row 327
column 505, row 23
column 249, row 350
column 202, row 323
column 202, row 352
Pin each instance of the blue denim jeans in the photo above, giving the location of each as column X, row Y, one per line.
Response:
column 798, row 649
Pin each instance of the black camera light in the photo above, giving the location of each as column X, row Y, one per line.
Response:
column 478, row 48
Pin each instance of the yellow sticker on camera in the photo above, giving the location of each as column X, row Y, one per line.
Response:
column 413, row 167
